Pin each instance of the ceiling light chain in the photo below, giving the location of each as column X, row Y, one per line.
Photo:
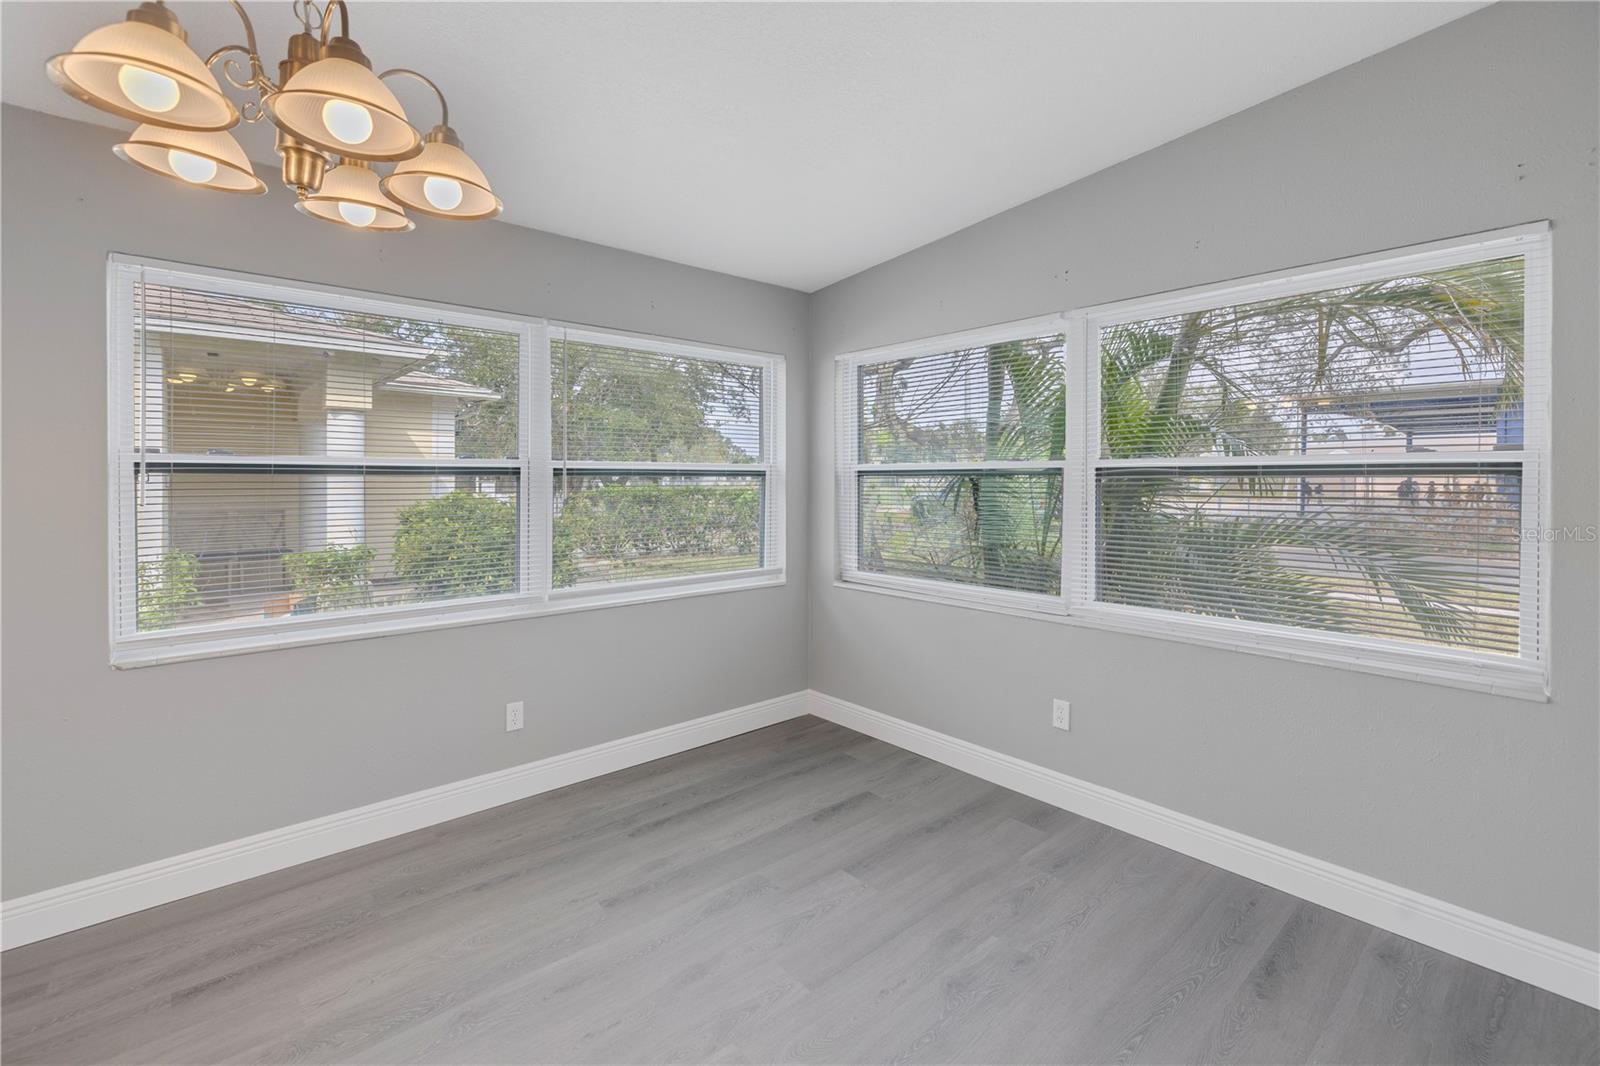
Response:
column 335, row 118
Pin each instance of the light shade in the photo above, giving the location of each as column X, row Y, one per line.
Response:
column 350, row 197
column 204, row 160
column 144, row 72
column 340, row 106
column 443, row 181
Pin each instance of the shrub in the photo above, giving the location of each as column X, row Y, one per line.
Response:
column 625, row 526
column 167, row 588
column 459, row 544
column 333, row 577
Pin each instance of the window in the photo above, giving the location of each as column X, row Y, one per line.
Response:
column 953, row 466
column 292, row 464
column 1343, row 464
column 665, row 460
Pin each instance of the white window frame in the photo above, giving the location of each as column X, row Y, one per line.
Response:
column 850, row 467
column 130, row 648
column 1525, row 676
column 771, row 466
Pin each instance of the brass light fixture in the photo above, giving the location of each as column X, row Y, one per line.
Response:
column 334, row 116
column 350, row 197
column 209, row 160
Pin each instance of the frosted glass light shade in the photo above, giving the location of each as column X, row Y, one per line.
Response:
column 145, row 73
column 303, row 109
column 350, row 196
column 152, row 148
column 433, row 171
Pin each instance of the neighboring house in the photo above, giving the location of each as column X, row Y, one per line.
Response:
column 237, row 379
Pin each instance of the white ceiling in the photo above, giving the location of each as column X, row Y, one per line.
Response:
column 792, row 143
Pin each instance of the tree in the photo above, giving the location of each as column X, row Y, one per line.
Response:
column 1169, row 388
column 1214, row 382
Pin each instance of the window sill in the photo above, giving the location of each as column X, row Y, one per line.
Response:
column 155, row 650
column 1511, row 678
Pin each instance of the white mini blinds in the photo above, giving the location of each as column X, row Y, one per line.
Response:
column 665, row 459
column 1346, row 463
column 953, row 466
column 292, row 463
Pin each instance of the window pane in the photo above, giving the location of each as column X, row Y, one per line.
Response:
column 1427, row 554
column 226, row 545
column 630, row 406
column 1425, row 362
column 631, row 527
column 1001, row 530
column 222, row 374
column 1003, row 401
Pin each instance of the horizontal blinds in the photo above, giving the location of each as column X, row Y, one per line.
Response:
column 1357, row 459
column 999, row 530
column 1430, row 554
column 221, row 373
column 224, row 546
column 287, row 453
column 633, row 405
column 666, row 463
column 953, row 464
column 999, row 401
column 1427, row 362
column 632, row 527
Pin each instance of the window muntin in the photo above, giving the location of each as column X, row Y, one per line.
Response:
column 1346, row 459
column 957, row 473
column 665, row 461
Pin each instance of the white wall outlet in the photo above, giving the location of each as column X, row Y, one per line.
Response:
column 1061, row 714
column 513, row 716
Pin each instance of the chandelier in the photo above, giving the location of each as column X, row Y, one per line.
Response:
column 335, row 118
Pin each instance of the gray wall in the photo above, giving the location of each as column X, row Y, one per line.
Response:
column 1486, row 802
column 105, row 769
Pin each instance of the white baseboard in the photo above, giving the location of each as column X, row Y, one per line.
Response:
column 1563, row 968
column 59, row 910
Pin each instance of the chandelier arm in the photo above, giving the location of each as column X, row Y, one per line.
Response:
column 444, row 107
column 327, row 18
column 258, row 79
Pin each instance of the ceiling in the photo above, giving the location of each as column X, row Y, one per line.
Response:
column 791, row 143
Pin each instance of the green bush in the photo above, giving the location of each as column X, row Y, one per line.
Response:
column 167, row 588
column 458, row 544
column 333, row 577
column 654, row 529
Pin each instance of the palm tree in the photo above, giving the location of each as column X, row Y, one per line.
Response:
column 1179, row 387
column 1337, row 343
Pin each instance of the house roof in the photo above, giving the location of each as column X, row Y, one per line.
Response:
column 226, row 316
column 418, row 381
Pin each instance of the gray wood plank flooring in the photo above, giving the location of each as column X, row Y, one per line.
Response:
column 797, row 894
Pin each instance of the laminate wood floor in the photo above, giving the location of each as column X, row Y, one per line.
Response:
column 800, row 893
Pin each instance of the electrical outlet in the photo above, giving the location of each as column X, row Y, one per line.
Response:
column 513, row 716
column 1061, row 714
